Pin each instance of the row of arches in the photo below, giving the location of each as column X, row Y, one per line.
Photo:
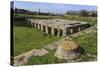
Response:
column 47, row 29
column 75, row 29
column 52, row 31
column 58, row 32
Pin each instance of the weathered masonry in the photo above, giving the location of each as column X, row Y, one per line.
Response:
column 57, row 27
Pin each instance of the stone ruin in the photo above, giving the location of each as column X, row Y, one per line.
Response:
column 68, row 50
column 57, row 27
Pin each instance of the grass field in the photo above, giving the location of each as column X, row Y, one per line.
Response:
column 27, row 38
column 87, row 41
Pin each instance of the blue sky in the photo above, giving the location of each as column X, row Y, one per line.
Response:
column 51, row 7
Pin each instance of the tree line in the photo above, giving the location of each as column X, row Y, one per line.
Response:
column 83, row 13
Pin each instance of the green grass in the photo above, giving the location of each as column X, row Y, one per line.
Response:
column 26, row 38
column 46, row 59
column 89, row 43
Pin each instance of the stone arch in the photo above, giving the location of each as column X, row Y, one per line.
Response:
column 36, row 25
column 82, row 27
column 67, row 31
column 75, row 29
column 44, row 28
column 71, row 30
column 60, row 32
column 55, row 31
column 79, row 28
column 87, row 25
column 49, row 30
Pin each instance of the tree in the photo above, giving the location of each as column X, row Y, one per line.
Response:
column 83, row 13
column 70, row 12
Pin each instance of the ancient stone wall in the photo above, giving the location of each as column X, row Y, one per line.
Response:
column 57, row 27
